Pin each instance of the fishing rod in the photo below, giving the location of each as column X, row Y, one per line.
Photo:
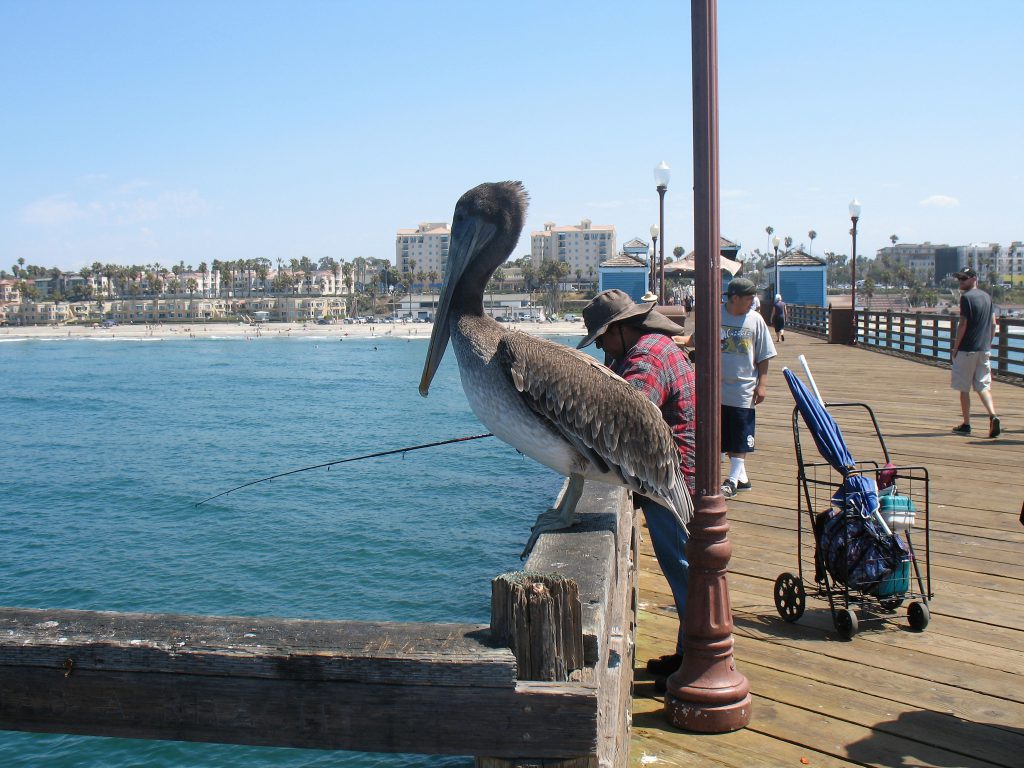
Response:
column 330, row 464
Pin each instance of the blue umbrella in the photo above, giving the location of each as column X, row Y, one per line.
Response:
column 823, row 428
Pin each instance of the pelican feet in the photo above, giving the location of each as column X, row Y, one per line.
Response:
column 553, row 520
column 559, row 517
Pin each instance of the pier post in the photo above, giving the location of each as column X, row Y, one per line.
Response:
column 539, row 618
column 1002, row 361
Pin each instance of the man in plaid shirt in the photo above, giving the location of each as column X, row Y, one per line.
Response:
column 637, row 342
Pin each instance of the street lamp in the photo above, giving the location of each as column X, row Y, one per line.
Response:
column 662, row 173
column 775, row 245
column 854, row 217
column 654, row 257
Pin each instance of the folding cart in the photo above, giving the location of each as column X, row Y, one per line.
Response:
column 862, row 526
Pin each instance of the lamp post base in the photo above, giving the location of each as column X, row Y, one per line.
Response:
column 707, row 694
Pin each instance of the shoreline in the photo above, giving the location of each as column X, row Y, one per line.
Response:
column 199, row 330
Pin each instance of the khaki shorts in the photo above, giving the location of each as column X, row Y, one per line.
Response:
column 971, row 368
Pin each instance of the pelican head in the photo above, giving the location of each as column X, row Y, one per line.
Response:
column 485, row 229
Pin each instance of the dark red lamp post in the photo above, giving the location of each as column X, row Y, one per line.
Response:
column 854, row 217
column 662, row 173
column 654, row 258
column 707, row 694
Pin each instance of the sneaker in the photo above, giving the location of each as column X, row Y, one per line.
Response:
column 744, row 485
column 729, row 489
column 663, row 666
column 993, row 426
column 963, row 429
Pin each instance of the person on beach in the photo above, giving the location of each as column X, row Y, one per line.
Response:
column 637, row 342
column 779, row 317
column 971, row 352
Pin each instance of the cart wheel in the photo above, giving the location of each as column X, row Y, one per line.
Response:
column 918, row 615
column 790, row 597
column 846, row 623
column 892, row 604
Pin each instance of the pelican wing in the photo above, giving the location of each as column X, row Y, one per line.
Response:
column 608, row 421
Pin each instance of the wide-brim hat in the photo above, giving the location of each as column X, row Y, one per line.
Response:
column 615, row 306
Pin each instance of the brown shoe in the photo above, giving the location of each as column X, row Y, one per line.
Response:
column 993, row 426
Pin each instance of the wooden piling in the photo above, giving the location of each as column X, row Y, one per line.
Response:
column 539, row 617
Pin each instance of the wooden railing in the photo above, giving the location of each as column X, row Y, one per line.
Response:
column 550, row 678
column 813, row 320
column 929, row 335
column 924, row 335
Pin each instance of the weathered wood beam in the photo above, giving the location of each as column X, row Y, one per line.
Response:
column 430, row 688
column 599, row 555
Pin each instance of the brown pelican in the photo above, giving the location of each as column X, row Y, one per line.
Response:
column 556, row 405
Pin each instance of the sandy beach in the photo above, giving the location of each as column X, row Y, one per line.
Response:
column 261, row 331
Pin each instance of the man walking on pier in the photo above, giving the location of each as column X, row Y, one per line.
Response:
column 971, row 351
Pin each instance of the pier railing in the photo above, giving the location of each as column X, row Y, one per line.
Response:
column 812, row 320
column 550, row 677
column 922, row 335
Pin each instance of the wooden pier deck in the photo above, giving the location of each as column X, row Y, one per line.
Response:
column 952, row 695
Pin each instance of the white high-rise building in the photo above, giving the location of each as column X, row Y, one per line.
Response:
column 424, row 249
column 583, row 247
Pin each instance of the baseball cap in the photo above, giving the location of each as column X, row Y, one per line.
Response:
column 965, row 272
column 740, row 286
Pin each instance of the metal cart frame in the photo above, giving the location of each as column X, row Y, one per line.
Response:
column 816, row 482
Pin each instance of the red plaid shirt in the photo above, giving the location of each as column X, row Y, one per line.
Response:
column 657, row 368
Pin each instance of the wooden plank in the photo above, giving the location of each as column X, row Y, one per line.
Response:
column 302, row 713
column 586, row 554
column 808, row 664
column 355, row 651
column 951, row 637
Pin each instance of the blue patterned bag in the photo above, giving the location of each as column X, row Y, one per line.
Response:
column 853, row 546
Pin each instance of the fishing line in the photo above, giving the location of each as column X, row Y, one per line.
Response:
column 330, row 464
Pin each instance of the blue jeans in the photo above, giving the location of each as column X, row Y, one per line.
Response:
column 669, row 539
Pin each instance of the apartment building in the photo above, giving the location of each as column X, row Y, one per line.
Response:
column 424, row 249
column 39, row 313
column 582, row 246
column 9, row 291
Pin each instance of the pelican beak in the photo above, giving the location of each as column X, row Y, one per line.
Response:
column 469, row 235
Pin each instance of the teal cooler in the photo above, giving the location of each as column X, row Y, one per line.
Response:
column 896, row 583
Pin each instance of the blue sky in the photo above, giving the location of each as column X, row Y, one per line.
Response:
column 159, row 132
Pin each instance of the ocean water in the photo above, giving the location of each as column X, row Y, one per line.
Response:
column 107, row 446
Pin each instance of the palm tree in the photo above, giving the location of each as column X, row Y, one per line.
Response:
column 769, row 231
column 262, row 272
column 812, row 234
column 893, row 239
column 346, row 275
column 789, row 242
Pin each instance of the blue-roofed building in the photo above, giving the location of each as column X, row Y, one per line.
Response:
column 638, row 249
column 802, row 279
column 627, row 273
